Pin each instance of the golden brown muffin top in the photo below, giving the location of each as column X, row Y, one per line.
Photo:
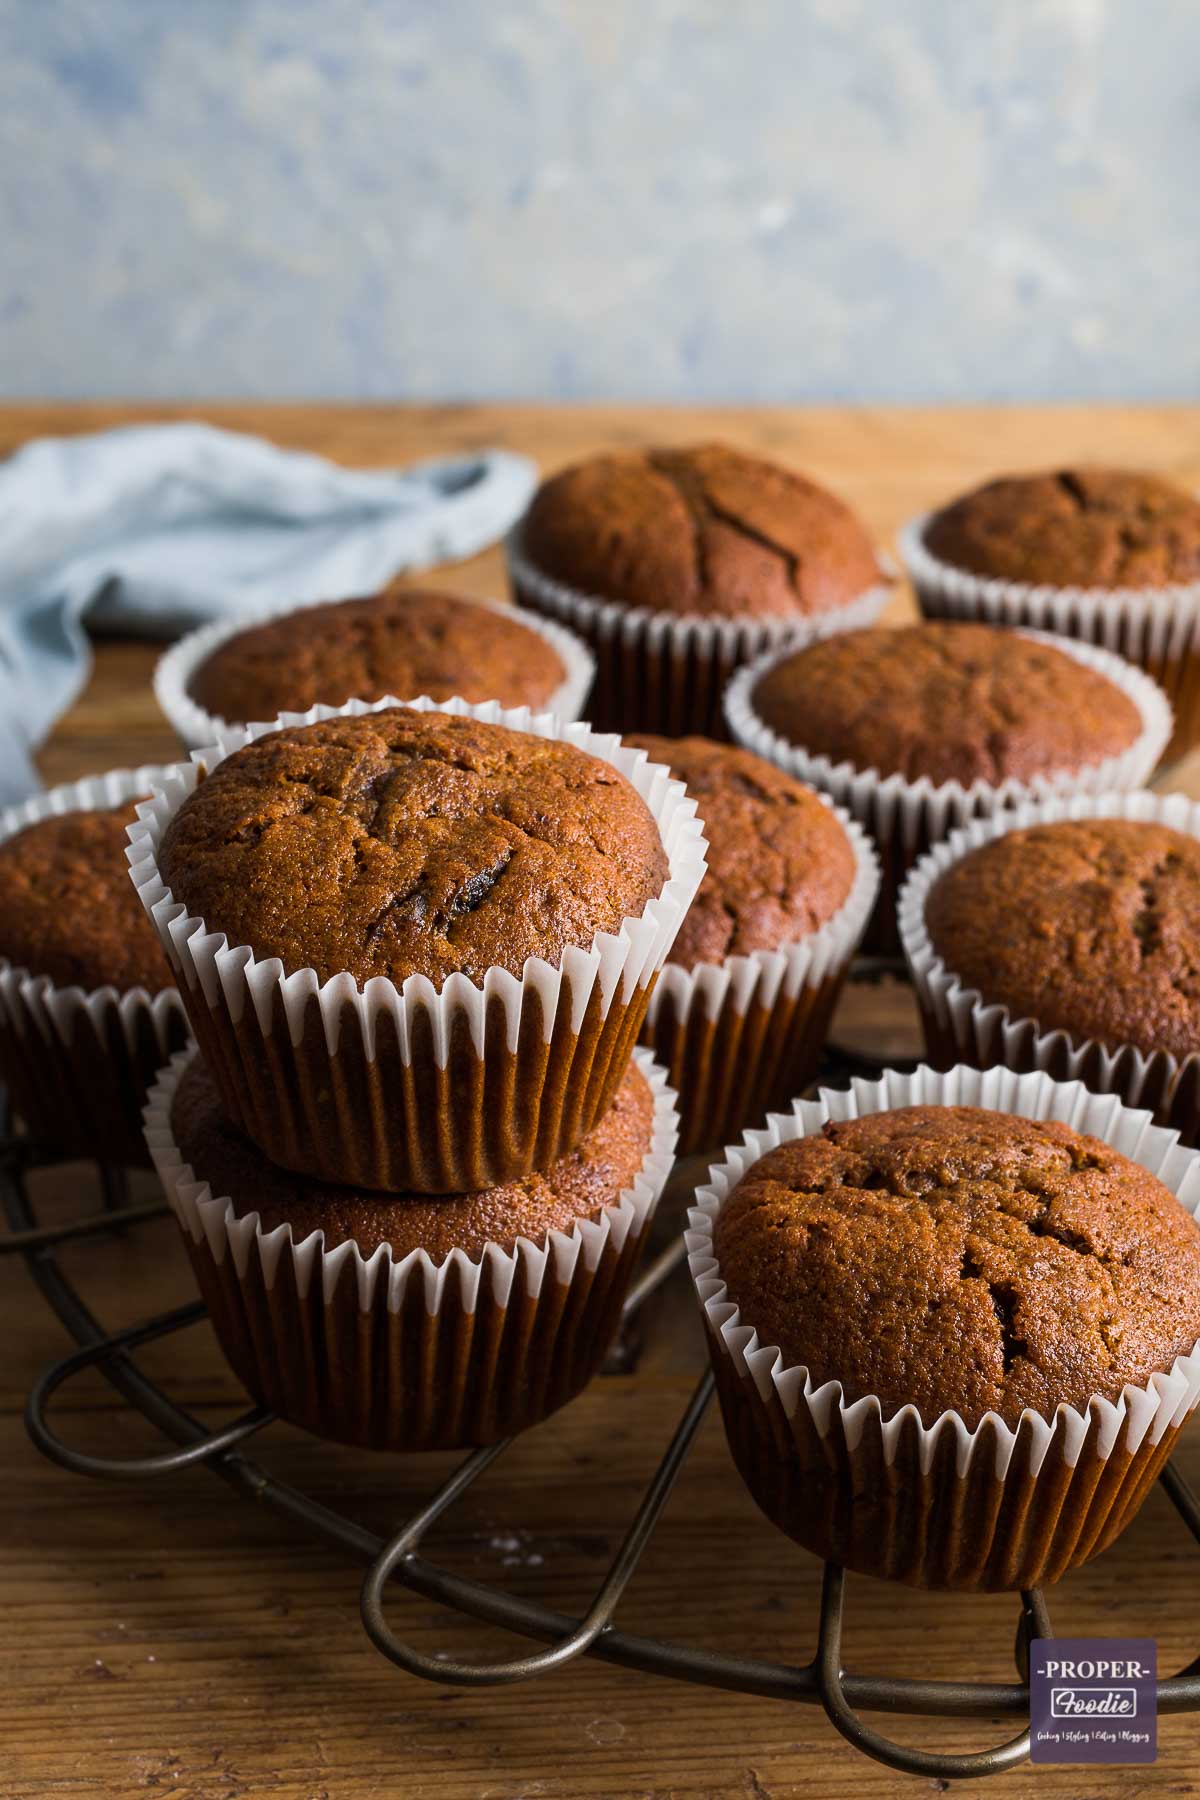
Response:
column 68, row 909
column 779, row 862
column 953, row 1258
column 1089, row 926
column 1083, row 527
column 406, row 642
column 400, row 842
column 579, row 1186
column 950, row 701
column 707, row 529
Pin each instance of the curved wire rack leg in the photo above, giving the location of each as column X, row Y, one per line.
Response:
column 110, row 1468
column 598, row 1617
column 935, row 1764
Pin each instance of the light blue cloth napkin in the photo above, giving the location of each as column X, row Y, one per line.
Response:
column 157, row 528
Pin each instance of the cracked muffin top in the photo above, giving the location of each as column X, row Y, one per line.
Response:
column 1084, row 527
column 68, row 909
column 779, row 862
column 1089, row 926
column 400, row 843
column 406, row 642
column 706, row 530
column 950, row 1257
column 578, row 1186
column 950, row 701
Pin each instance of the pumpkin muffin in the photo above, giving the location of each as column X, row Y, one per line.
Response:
column 1108, row 556
column 918, row 728
column 418, row 945
column 1083, row 527
column 1088, row 926
column 676, row 565
column 578, row 1186
column 953, row 1345
column 947, row 702
column 404, row 1321
column 406, row 641
column 706, row 529
column 67, row 908
column 961, row 1260
column 88, row 1008
column 782, row 866
column 398, row 843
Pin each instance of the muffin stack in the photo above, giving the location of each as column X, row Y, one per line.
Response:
column 416, row 946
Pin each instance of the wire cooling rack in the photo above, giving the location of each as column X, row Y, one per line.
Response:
column 824, row 1681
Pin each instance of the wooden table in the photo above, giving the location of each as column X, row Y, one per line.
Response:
column 169, row 1640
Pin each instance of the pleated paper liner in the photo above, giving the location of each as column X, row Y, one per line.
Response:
column 738, row 1038
column 1156, row 628
column 78, row 1062
column 941, row 1506
column 197, row 727
column 665, row 672
column 410, row 1354
column 409, row 1088
column 904, row 817
column 960, row 1026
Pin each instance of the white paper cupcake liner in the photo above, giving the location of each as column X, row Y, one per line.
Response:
column 78, row 1061
column 743, row 1036
column 410, row 1354
column 665, row 672
column 408, row 1088
column 940, row 1505
column 904, row 817
column 196, row 727
column 961, row 1027
column 1156, row 628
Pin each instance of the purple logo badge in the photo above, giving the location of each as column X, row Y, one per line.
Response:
column 1093, row 1700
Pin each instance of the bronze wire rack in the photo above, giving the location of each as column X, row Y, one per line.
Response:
column 824, row 1681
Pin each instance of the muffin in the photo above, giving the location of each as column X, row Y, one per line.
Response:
column 410, row 1321
column 676, row 565
column 953, row 1342
column 740, row 1013
column 88, row 1008
column 1111, row 556
column 403, row 642
column 916, row 728
column 417, row 945
column 1067, row 937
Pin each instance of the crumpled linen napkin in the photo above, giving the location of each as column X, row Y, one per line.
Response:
column 156, row 528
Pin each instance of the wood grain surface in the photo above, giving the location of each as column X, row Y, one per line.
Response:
column 168, row 1640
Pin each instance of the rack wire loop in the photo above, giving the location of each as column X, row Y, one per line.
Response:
column 112, row 1468
column 935, row 1764
column 401, row 1550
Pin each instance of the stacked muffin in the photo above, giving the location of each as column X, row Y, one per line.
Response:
column 416, row 946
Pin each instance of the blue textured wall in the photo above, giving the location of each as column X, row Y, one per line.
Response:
column 783, row 199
